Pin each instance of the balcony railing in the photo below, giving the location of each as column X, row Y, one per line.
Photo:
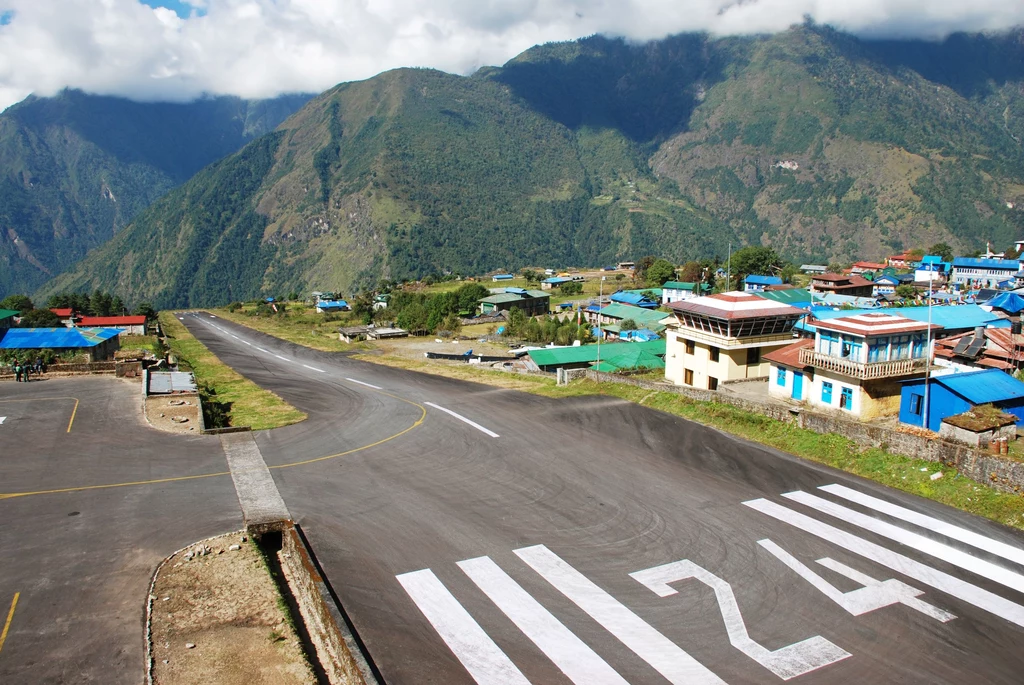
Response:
column 864, row 372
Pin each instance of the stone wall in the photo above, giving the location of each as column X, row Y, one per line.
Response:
column 1001, row 473
column 336, row 647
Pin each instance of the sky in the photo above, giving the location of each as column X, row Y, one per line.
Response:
column 178, row 50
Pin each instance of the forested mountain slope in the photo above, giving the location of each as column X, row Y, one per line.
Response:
column 817, row 143
column 76, row 168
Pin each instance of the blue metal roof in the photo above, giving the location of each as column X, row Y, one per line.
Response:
column 503, row 277
column 55, row 338
column 556, row 280
column 982, row 387
column 515, row 291
column 634, row 299
column 762, row 280
column 952, row 317
column 332, row 304
column 979, row 263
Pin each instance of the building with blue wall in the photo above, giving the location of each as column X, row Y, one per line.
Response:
column 956, row 393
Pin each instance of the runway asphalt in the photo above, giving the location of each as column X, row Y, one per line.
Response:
column 590, row 540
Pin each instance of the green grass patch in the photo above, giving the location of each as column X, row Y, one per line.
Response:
column 893, row 470
column 148, row 343
column 250, row 405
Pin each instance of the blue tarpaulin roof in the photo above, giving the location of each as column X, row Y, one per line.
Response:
column 1008, row 302
column 332, row 304
column 982, row 387
column 639, row 335
column 55, row 338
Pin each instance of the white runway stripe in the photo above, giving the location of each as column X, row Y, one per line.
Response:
column 464, row 420
column 284, row 359
column 1008, row 552
column 262, row 350
column 662, row 654
column 313, row 368
column 375, row 387
column 471, row 645
column 972, row 594
column 578, row 661
column 986, row 569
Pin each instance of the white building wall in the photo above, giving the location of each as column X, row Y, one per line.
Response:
column 813, row 389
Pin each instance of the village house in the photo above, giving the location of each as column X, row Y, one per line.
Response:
column 813, row 268
column 854, row 363
column 932, row 269
column 955, row 393
column 677, row 291
column 841, row 284
column 755, row 283
column 867, row 267
column 974, row 272
column 531, row 302
column 6, row 319
column 97, row 344
column 132, row 325
column 901, row 261
column 723, row 337
column 610, row 318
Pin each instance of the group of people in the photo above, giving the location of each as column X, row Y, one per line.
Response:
column 22, row 371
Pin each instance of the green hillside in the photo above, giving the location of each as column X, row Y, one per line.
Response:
column 75, row 169
column 596, row 150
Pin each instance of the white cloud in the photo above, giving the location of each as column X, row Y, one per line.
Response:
column 259, row 48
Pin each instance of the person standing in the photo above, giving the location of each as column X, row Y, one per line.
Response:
column 17, row 371
column 38, row 368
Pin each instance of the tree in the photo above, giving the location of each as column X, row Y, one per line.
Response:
column 40, row 318
column 530, row 275
column 413, row 318
column 660, row 271
column 788, row 271
column 453, row 324
column 628, row 325
column 117, row 306
column 145, row 309
column 917, row 253
column 469, row 296
column 755, row 259
column 99, row 303
column 516, row 321
column 58, row 301
column 18, row 303
column 906, row 291
column 619, row 277
column 691, row 272
column 640, row 268
column 942, row 250
column 571, row 288
column 1012, row 253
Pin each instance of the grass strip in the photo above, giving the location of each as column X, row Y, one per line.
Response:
column 302, row 326
column 250, row 405
column 894, row 470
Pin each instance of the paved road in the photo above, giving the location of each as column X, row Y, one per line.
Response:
column 81, row 561
column 593, row 541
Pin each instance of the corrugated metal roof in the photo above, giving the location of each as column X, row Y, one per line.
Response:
column 166, row 382
column 757, row 279
column 951, row 317
column 982, row 387
column 588, row 353
column 979, row 263
column 112, row 321
column 635, row 299
column 7, row 313
column 796, row 297
column 55, row 338
column 633, row 358
column 678, row 285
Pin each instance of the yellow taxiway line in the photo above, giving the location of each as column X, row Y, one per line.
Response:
column 10, row 617
column 43, row 399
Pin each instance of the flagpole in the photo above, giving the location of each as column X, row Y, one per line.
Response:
column 600, row 297
column 928, row 351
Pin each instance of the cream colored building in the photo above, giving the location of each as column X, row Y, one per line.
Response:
column 724, row 337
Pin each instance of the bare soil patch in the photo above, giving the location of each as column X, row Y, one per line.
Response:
column 218, row 618
column 174, row 413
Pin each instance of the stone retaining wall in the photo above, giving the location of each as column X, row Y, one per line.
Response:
column 1003, row 474
column 337, row 649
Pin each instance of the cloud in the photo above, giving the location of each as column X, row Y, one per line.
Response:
column 260, row 48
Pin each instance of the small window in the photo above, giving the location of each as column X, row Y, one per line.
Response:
column 916, row 404
column 688, row 376
column 713, row 352
column 826, row 392
column 753, row 356
column 689, row 347
column 712, row 383
column 780, row 377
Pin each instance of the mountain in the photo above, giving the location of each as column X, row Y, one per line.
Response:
column 75, row 169
column 812, row 141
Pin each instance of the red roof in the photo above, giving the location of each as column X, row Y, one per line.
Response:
column 113, row 320
column 61, row 311
column 869, row 265
column 790, row 354
column 735, row 305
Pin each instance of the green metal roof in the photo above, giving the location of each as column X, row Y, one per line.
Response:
column 588, row 353
column 7, row 313
column 633, row 358
column 645, row 318
column 790, row 296
column 503, row 297
column 678, row 285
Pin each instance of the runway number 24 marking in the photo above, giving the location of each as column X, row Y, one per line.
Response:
column 488, row 664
